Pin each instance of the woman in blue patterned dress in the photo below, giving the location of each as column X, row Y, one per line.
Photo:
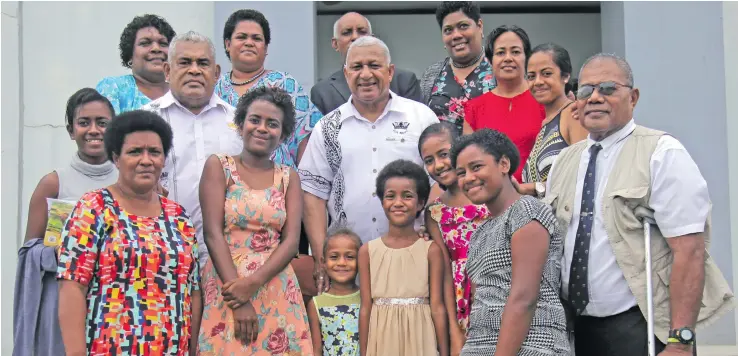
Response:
column 144, row 45
column 514, row 259
column 246, row 38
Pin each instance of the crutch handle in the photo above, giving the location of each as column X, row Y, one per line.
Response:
column 644, row 214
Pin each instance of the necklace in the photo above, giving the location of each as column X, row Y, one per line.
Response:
column 230, row 78
column 462, row 66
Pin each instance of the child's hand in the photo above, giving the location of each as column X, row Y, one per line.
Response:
column 245, row 324
column 423, row 234
column 239, row 291
column 457, row 343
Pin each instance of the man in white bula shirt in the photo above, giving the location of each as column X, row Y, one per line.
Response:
column 350, row 145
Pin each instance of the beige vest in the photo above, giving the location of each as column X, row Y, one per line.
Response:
column 628, row 188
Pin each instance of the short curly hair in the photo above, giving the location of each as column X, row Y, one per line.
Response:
column 402, row 168
column 82, row 97
column 128, row 37
column 245, row 15
column 135, row 121
column 469, row 8
column 276, row 96
column 496, row 33
column 492, row 142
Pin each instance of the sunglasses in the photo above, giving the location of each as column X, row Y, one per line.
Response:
column 604, row 88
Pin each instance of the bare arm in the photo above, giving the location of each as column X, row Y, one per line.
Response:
column 529, row 254
column 315, row 223
column 365, row 285
column 574, row 131
column 196, row 319
column 449, row 297
column 687, row 280
column 438, row 309
column 467, row 129
column 315, row 332
column 287, row 248
column 38, row 212
column 212, row 203
column 72, row 316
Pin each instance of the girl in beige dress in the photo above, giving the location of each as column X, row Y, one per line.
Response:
column 401, row 275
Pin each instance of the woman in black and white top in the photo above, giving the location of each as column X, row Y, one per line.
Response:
column 514, row 259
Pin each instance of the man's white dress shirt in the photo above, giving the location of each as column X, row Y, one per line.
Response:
column 679, row 198
column 196, row 137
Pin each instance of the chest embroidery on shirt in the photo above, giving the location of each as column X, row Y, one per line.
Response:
column 400, row 128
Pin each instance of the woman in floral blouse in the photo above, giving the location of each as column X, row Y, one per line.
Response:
column 465, row 73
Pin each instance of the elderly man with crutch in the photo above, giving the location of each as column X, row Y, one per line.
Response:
column 605, row 190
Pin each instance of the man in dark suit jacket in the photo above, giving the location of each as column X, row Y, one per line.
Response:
column 330, row 93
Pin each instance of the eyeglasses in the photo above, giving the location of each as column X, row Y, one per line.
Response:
column 604, row 88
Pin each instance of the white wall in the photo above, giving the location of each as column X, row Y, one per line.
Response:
column 10, row 162
column 730, row 48
column 415, row 40
column 64, row 46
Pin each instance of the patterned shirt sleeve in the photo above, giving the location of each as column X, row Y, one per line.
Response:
column 78, row 253
column 315, row 172
column 528, row 209
column 108, row 88
column 306, row 113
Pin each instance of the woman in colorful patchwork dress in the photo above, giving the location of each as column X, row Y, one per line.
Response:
column 144, row 45
column 252, row 208
column 127, row 265
column 451, row 219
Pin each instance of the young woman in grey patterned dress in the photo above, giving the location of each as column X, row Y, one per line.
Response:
column 514, row 259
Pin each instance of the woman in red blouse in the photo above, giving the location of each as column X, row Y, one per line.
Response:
column 510, row 107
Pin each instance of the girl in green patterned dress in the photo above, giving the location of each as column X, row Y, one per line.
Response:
column 334, row 316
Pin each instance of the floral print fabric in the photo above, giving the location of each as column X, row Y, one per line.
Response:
column 339, row 323
column 139, row 271
column 252, row 229
column 449, row 93
column 457, row 224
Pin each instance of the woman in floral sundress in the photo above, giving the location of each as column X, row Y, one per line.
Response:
column 251, row 210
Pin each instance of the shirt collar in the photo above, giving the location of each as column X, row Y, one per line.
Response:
column 168, row 100
column 609, row 141
column 392, row 105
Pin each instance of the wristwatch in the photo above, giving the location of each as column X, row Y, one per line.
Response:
column 540, row 190
column 684, row 336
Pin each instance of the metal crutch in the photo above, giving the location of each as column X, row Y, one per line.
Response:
column 646, row 216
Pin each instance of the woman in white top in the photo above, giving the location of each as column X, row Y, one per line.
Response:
column 88, row 114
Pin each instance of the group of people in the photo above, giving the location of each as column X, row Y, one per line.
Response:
column 233, row 213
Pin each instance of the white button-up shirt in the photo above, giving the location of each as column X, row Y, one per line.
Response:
column 196, row 137
column 346, row 152
column 680, row 201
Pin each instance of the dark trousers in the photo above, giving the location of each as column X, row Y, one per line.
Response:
column 617, row 335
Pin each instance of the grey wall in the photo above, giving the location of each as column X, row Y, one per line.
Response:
column 678, row 64
column 292, row 47
column 415, row 40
